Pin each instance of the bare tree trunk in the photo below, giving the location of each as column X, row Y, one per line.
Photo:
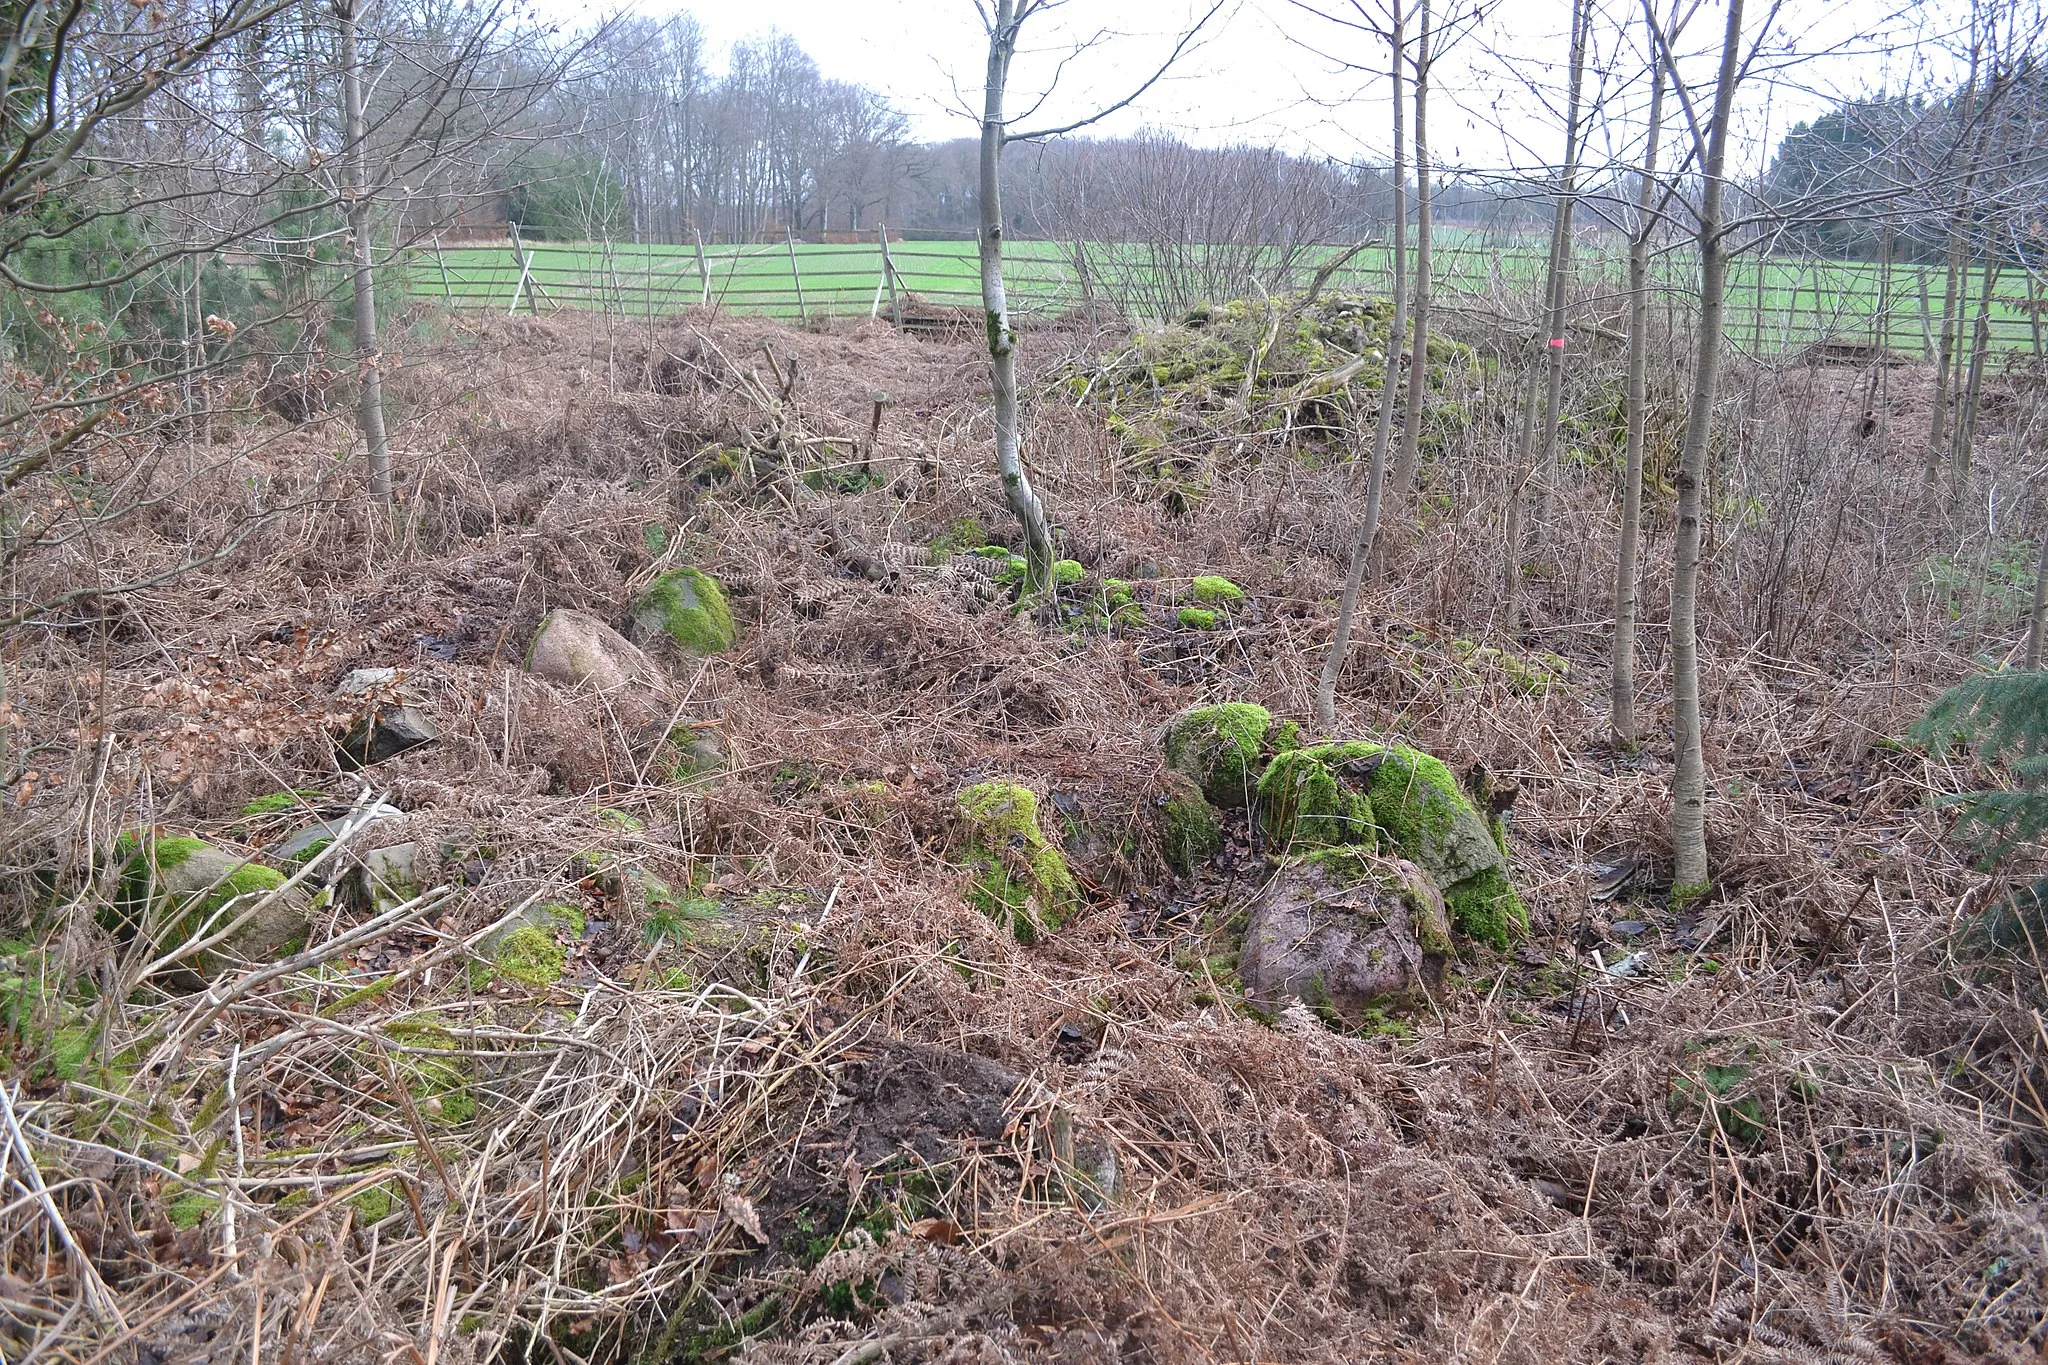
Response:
column 355, row 188
column 1382, row 435
column 1621, row 688
column 1945, row 358
column 1561, row 262
column 1689, row 779
column 1406, row 466
column 1971, row 397
column 1002, row 339
column 1511, row 531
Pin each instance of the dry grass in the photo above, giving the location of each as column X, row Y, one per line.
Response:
column 1809, row 1131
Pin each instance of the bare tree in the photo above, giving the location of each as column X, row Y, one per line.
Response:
column 356, row 198
column 1621, row 708
column 1556, row 294
column 1710, row 138
column 1003, row 20
column 1390, row 386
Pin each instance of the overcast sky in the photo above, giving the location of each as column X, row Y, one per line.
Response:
column 1268, row 71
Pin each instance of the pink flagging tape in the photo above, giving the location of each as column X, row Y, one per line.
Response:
column 1557, row 341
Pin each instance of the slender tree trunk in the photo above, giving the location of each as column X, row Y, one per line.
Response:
column 1561, row 262
column 356, row 193
column 1689, row 779
column 1972, row 392
column 1621, row 688
column 1410, row 460
column 1945, row 358
column 1511, row 532
column 1383, row 427
column 1002, row 338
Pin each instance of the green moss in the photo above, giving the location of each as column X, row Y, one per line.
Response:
column 1216, row 591
column 1019, row 876
column 688, row 606
column 440, row 1085
column 189, row 1208
column 1067, row 572
column 1428, row 818
column 309, row 852
column 1219, row 747
column 1001, row 552
column 1683, row 896
column 1196, row 618
column 373, row 1205
column 140, row 890
column 612, row 818
column 530, row 956
column 362, row 995
column 1318, row 796
column 964, row 534
column 1190, row 829
column 1369, row 795
column 282, row 801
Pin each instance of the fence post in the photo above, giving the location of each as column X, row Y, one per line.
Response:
column 703, row 272
column 520, row 254
column 447, row 292
column 803, row 309
column 889, row 275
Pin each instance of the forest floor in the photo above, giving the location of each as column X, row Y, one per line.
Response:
column 788, row 1096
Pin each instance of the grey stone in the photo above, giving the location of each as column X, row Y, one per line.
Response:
column 302, row 842
column 575, row 649
column 364, row 681
column 1344, row 934
column 180, row 891
column 386, row 876
column 385, row 734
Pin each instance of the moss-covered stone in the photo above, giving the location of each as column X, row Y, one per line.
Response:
column 688, row 607
column 531, row 956
column 1320, row 796
column 1219, row 747
column 1019, row 876
column 528, row 951
column 1067, row 572
column 1375, row 795
column 1212, row 590
column 1196, row 618
column 177, row 888
column 1190, row 829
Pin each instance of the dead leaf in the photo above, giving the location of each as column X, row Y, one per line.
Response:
column 941, row 1231
column 741, row 1211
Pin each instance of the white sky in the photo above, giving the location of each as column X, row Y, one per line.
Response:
column 1255, row 78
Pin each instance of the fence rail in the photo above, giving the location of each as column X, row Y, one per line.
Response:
column 1776, row 304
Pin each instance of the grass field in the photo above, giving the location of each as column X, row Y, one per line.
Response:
column 1777, row 304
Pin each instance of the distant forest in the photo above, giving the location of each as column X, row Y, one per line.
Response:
column 666, row 141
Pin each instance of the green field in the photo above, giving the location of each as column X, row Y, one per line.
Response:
column 1777, row 304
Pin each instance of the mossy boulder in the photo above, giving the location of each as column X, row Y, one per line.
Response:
column 1348, row 933
column 686, row 607
column 528, row 951
column 1220, row 747
column 1215, row 591
column 1019, row 875
column 177, row 889
column 1190, row 830
column 1365, row 795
